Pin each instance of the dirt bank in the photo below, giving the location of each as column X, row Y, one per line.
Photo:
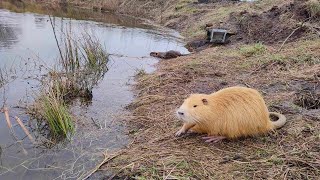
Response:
column 284, row 67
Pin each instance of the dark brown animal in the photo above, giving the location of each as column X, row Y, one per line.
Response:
column 167, row 55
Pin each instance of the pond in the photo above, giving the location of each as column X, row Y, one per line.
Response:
column 28, row 50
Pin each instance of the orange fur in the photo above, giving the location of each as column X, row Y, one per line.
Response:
column 231, row 112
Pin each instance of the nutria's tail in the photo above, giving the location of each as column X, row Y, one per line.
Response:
column 280, row 122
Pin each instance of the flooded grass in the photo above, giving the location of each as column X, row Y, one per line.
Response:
column 81, row 65
column 52, row 108
column 84, row 54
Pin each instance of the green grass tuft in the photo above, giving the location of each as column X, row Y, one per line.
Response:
column 82, row 64
column 252, row 50
column 52, row 109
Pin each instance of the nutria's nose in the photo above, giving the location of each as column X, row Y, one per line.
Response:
column 180, row 113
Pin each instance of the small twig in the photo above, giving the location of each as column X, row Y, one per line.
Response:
column 246, row 84
column 25, row 130
column 105, row 160
column 96, row 124
column 167, row 177
column 288, row 37
column 120, row 170
column 6, row 114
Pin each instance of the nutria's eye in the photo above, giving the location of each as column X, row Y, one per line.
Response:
column 195, row 106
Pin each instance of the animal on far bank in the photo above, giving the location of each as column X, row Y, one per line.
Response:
column 167, row 55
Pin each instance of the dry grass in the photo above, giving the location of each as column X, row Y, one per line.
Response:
column 289, row 153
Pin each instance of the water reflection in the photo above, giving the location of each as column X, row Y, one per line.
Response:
column 8, row 34
column 40, row 21
column 75, row 13
column 34, row 53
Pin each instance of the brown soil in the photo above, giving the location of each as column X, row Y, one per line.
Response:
column 272, row 26
column 284, row 23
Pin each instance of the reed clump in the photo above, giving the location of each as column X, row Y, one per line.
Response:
column 81, row 65
column 51, row 108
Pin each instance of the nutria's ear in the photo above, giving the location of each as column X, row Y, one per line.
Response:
column 205, row 101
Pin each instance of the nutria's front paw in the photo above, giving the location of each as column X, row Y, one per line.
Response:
column 180, row 132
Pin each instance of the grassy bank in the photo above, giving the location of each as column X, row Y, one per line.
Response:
column 284, row 66
column 283, row 77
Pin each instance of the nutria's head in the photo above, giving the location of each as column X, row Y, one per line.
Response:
column 154, row 54
column 193, row 107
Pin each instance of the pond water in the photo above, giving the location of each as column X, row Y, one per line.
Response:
column 28, row 49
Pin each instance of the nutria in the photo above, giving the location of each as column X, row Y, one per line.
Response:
column 229, row 113
column 167, row 55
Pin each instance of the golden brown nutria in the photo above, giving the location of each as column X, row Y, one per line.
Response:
column 229, row 113
column 166, row 55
